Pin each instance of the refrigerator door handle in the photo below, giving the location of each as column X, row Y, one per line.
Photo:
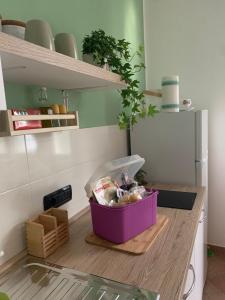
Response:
column 202, row 172
column 202, row 161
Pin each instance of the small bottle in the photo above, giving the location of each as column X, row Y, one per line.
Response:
column 62, row 110
column 43, row 96
column 50, row 112
column 55, row 109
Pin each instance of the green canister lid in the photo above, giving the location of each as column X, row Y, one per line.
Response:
column 170, row 80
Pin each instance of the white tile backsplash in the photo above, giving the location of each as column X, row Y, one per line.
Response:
column 52, row 161
column 76, row 177
column 54, row 152
column 13, row 163
column 16, row 207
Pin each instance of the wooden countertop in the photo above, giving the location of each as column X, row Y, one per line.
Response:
column 162, row 269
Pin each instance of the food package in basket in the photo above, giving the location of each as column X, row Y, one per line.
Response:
column 105, row 191
column 113, row 183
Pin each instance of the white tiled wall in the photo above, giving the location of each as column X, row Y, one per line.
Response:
column 13, row 163
column 34, row 165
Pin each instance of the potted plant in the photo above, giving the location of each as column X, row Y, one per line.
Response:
column 97, row 47
column 117, row 54
column 140, row 177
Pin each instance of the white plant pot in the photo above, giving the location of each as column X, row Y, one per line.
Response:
column 17, row 31
column 88, row 58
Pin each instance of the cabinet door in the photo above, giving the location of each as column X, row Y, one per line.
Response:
column 190, row 286
column 200, row 257
column 198, row 261
column 204, row 220
column 201, row 252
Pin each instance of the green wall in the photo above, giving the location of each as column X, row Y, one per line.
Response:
column 120, row 18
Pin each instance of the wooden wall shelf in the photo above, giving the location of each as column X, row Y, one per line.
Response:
column 30, row 64
column 7, row 119
column 154, row 93
column 43, row 117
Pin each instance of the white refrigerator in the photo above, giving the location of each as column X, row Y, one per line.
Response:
column 175, row 147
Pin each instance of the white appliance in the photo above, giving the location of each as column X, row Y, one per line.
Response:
column 174, row 146
column 175, row 149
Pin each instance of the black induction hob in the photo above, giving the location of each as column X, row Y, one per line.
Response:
column 174, row 199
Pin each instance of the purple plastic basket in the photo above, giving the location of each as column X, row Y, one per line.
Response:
column 120, row 224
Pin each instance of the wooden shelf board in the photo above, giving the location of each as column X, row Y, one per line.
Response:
column 42, row 130
column 43, row 117
column 155, row 93
column 30, row 64
column 7, row 119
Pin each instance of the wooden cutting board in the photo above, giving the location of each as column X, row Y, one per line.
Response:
column 139, row 244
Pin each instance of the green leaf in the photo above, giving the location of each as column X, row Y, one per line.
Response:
column 141, row 48
column 133, row 119
column 143, row 114
column 135, row 83
column 126, row 103
column 124, row 120
column 152, row 110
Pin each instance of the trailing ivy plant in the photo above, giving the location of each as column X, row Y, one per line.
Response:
column 117, row 54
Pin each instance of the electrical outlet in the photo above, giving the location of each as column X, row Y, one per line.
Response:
column 58, row 197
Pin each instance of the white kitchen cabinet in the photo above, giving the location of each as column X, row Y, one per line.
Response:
column 199, row 260
column 190, row 288
column 198, row 265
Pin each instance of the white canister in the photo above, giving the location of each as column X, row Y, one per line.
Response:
column 65, row 43
column 14, row 27
column 170, row 94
